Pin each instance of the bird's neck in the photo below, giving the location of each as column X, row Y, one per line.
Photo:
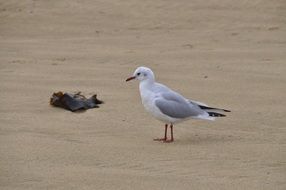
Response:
column 146, row 84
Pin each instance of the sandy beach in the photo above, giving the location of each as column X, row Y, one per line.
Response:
column 228, row 54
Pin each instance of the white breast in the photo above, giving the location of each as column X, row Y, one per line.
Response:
column 147, row 100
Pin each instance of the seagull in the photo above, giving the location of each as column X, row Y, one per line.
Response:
column 169, row 106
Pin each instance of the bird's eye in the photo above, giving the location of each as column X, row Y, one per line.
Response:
column 138, row 74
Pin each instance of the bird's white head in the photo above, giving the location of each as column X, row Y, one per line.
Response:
column 143, row 74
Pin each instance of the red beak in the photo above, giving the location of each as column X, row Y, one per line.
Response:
column 130, row 78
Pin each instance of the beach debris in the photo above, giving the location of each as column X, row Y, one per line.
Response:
column 74, row 102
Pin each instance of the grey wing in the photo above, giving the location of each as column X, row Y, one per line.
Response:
column 176, row 107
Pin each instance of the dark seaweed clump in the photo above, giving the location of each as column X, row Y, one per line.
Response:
column 74, row 102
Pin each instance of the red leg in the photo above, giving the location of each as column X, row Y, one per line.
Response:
column 172, row 137
column 165, row 138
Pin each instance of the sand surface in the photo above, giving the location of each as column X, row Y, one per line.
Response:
column 228, row 54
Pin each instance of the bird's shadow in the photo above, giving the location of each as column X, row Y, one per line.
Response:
column 204, row 139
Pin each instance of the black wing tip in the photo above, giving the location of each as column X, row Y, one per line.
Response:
column 214, row 114
column 210, row 108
